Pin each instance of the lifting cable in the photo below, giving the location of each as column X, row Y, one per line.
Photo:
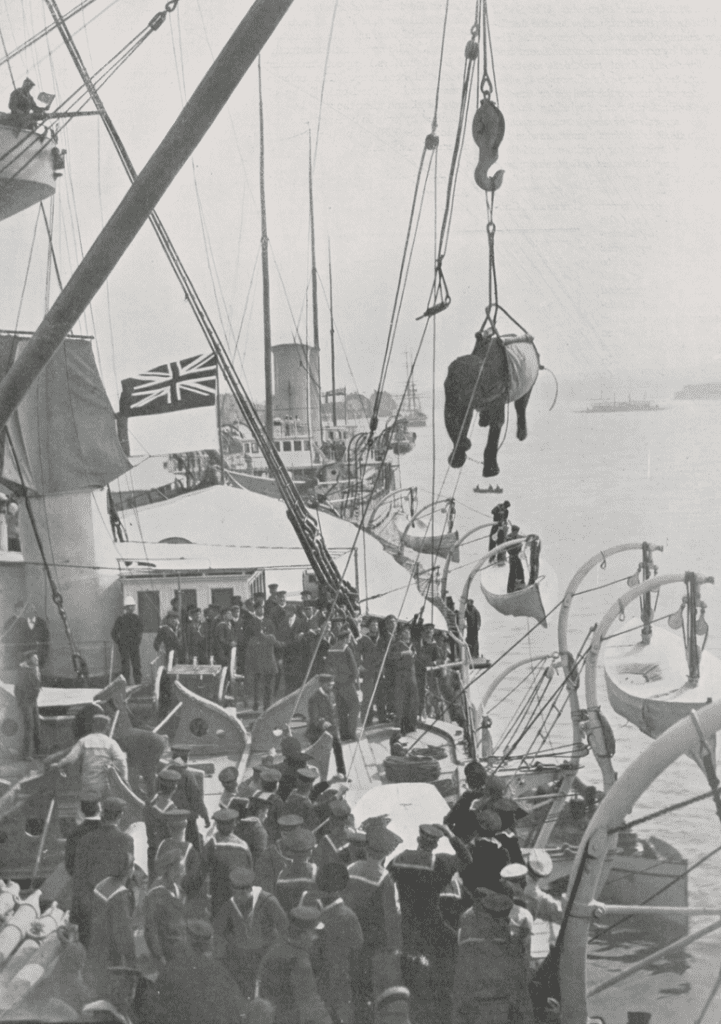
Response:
column 430, row 146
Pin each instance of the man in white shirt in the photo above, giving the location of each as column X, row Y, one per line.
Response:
column 97, row 753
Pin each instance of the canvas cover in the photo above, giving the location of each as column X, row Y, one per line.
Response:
column 63, row 431
column 523, row 365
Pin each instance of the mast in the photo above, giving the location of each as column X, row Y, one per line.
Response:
column 314, row 284
column 144, row 194
column 266, row 276
column 332, row 338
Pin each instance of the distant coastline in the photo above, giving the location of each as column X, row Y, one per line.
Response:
column 710, row 389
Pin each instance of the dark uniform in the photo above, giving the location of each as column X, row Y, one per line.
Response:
column 111, row 934
column 127, row 632
column 27, row 690
column 245, row 933
column 286, row 979
column 164, row 919
column 370, row 651
column 405, row 686
column 101, row 852
column 154, row 815
column 339, row 944
column 428, row 654
column 221, row 854
column 340, row 662
column 188, row 796
column 192, row 883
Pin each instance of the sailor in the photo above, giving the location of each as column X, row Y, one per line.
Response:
column 405, row 686
column 100, row 852
column 195, row 988
column 192, row 883
column 155, row 811
column 340, row 663
column 421, row 876
column 473, row 625
column 428, row 654
column 96, row 754
column 334, row 846
column 323, row 717
column 27, row 690
column 392, row 1006
column 90, row 810
column 298, row 876
column 540, row 903
column 370, row 653
column 111, row 933
column 31, row 634
column 249, row 828
column 250, row 786
column 224, row 639
column 188, row 794
column 164, row 904
column 299, row 800
column 371, row 893
column 516, row 576
column 167, row 641
column 269, row 800
column 127, row 632
column 228, row 778
column 195, row 646
column 277, row 855
column 223, row 852
column 339, row 943
column 294, row 757
column 491, row 981
column 265, row 667
column 461, row 819
column 245, row 927
column 285, row 976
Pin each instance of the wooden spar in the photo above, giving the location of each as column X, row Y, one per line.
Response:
column 144, row 194
column 267, row 348
column 599, row 842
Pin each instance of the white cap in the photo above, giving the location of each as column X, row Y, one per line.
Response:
column 128, row 601
column 514, row 872
column 539, row 863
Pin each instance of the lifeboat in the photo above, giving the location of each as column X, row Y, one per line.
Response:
column 527, row 601
column 27, row 168
column 418, row 536
column 648, row 684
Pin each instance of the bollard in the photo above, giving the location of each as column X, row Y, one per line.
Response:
column 16, row 927
column 31, row 973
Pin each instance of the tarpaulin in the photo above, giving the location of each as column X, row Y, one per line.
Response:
column 63, row 432
column 523, row 365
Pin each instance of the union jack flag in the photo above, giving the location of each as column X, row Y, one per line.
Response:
column 187, row 384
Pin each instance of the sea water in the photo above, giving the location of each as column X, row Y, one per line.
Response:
column 585, row 482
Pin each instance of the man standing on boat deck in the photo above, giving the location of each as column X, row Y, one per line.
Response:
column 111, row 933
column 285, row 976
column 421, row 876
column 246, row 927
column 370, row 652
column 31, row 633
column 155, row 813
column 192, row 882
column 189, row 791
column 338, row 944
column 405, row 685
column 428, row 654
column 100, row 852
column 164, row 905
column 27, row 690
column 96, row 754
column 323, row 717
column 473, row 626
column 223, row 852
column 341, row 664
column 127, row 632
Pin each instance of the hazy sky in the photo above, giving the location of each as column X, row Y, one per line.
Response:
column 608, row 218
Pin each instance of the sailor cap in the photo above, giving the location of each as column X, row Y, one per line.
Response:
column 393, row 995
column 290, row 821
column 241, row 878
column 309, row 773
column 270, row 775
column 514, row 872
column 225, row 814
column 169, row 775
column 339, row 809
column 300, row 840
column 228, row 774
column 539, row 863
column 307, row 918
column 431, row 831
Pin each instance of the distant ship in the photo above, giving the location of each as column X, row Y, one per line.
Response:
column 630, row 405
column 411, row 410
column 711, row 389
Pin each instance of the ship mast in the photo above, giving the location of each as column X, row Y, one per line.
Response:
column 314, row 285
column 332, row 338
column 266, row 276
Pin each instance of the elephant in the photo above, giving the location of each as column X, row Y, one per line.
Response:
column 500, row 370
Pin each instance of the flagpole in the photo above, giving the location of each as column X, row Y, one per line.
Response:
column 218, row 424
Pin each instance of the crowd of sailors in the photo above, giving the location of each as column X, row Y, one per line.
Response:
column 287, row 910
column 381, row 669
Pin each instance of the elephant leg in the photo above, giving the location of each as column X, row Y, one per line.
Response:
column 490, row 453
column 521, row 406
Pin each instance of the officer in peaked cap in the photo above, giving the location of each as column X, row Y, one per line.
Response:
column 222, row 852
column 228, row 778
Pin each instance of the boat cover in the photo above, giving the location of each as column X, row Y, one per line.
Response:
column 523, row 365
column 63, row 432
column 526, row 603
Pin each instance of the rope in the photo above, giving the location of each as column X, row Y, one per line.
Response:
column 7, row 58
